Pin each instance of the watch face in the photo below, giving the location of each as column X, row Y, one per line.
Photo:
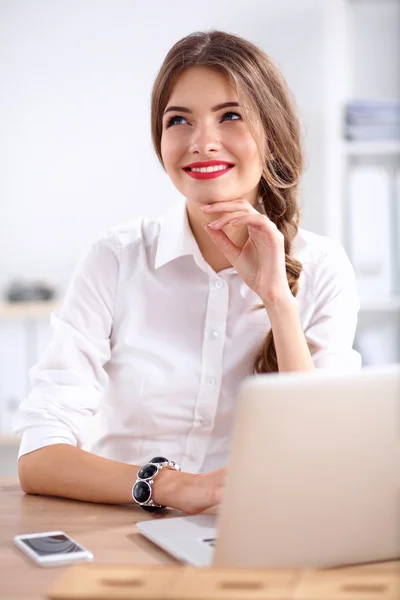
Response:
column 141, row 491
column 148, row 471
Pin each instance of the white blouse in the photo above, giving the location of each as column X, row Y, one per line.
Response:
column 155, row 343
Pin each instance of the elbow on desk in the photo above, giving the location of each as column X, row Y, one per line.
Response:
column 47, row 470
column 34, row 470
column 26, row 473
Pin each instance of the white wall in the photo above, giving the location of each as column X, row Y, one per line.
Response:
column 75, row 149
column 375, row 49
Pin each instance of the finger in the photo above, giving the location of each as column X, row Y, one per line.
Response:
column 231, row 206
column 256, row 221
column 225, row 220
column 226, row 245
column 260, row 228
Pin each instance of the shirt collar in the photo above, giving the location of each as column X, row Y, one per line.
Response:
column 176, row 238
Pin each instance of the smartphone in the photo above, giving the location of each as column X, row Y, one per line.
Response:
column 52, row 548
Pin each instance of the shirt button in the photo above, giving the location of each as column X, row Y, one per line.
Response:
column 219, row 284
column 214, row 335
column 211, row 381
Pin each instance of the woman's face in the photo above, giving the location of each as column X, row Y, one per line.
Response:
column 203, row 129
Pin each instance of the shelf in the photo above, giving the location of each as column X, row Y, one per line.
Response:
column 381, row 305
column 27, row 309
column 9, row 440
column 378, row 148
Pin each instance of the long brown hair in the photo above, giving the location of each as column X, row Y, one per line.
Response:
column 264, row 97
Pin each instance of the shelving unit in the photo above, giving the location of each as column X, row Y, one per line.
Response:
column 384, row 152
column 27, row 310
column 9, row 440
column 24, row 332
column 377, row 148
column 376, row 306
column 361, row 62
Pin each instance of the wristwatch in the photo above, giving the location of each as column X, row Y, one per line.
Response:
column 142, row 488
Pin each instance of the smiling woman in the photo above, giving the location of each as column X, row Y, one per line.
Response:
column 165, row 317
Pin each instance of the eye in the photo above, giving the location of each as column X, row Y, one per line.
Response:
column 175, row 120
column 230, row 116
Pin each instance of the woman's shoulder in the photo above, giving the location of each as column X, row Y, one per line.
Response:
column 141, row 230
column 323, row 258
column 126, row 243
column 312, row 248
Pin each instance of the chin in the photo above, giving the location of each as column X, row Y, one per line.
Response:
column 212, row 196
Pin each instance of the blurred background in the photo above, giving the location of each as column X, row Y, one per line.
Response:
column 76, row 155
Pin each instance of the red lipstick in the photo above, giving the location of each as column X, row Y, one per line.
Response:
column 224, row 168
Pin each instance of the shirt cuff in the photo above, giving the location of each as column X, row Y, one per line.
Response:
column 38, row 436
column 340, row 361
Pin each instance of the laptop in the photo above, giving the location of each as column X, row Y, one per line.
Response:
column 314, row 478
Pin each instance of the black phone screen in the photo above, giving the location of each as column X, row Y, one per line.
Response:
column 52, row 544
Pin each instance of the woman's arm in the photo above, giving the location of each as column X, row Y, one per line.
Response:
column 67, row 389
column 327, row 340
column 67, row 471
column 68, row 383
column 261, row 264
column 290, row 342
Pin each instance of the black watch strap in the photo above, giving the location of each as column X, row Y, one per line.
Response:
column 142, row 488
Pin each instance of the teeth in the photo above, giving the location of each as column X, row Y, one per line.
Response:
column 210, row 169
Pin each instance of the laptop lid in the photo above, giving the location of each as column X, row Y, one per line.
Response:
column 314, row 475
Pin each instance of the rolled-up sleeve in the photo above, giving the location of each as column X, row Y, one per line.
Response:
column 68, row 383
column 330, row 334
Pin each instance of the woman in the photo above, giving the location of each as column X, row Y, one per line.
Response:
column 165, row 317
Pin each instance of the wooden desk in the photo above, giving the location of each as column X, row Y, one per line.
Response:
column 109, row 531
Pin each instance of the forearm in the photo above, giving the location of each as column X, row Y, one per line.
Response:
column 290, row 342
column 69, row 472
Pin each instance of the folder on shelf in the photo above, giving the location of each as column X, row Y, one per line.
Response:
column 372, row 120
column 370, row 230
column 396, row 233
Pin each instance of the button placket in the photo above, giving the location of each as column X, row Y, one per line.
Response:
column 212, row 358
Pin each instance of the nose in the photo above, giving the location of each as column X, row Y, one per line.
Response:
column 205, row 139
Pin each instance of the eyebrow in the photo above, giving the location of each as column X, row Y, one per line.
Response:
column 187, row 110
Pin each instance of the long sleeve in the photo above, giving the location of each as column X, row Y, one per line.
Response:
column 330, row 334
column 68, row 383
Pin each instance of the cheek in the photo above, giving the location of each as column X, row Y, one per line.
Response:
column 165, row 151
column 171, row 149
column 244, row 146
column 251, row 148
column 251, row 157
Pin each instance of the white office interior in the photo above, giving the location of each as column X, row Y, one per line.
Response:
column 77, row 158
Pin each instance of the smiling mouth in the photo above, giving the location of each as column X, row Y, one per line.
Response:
column 208, row 172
